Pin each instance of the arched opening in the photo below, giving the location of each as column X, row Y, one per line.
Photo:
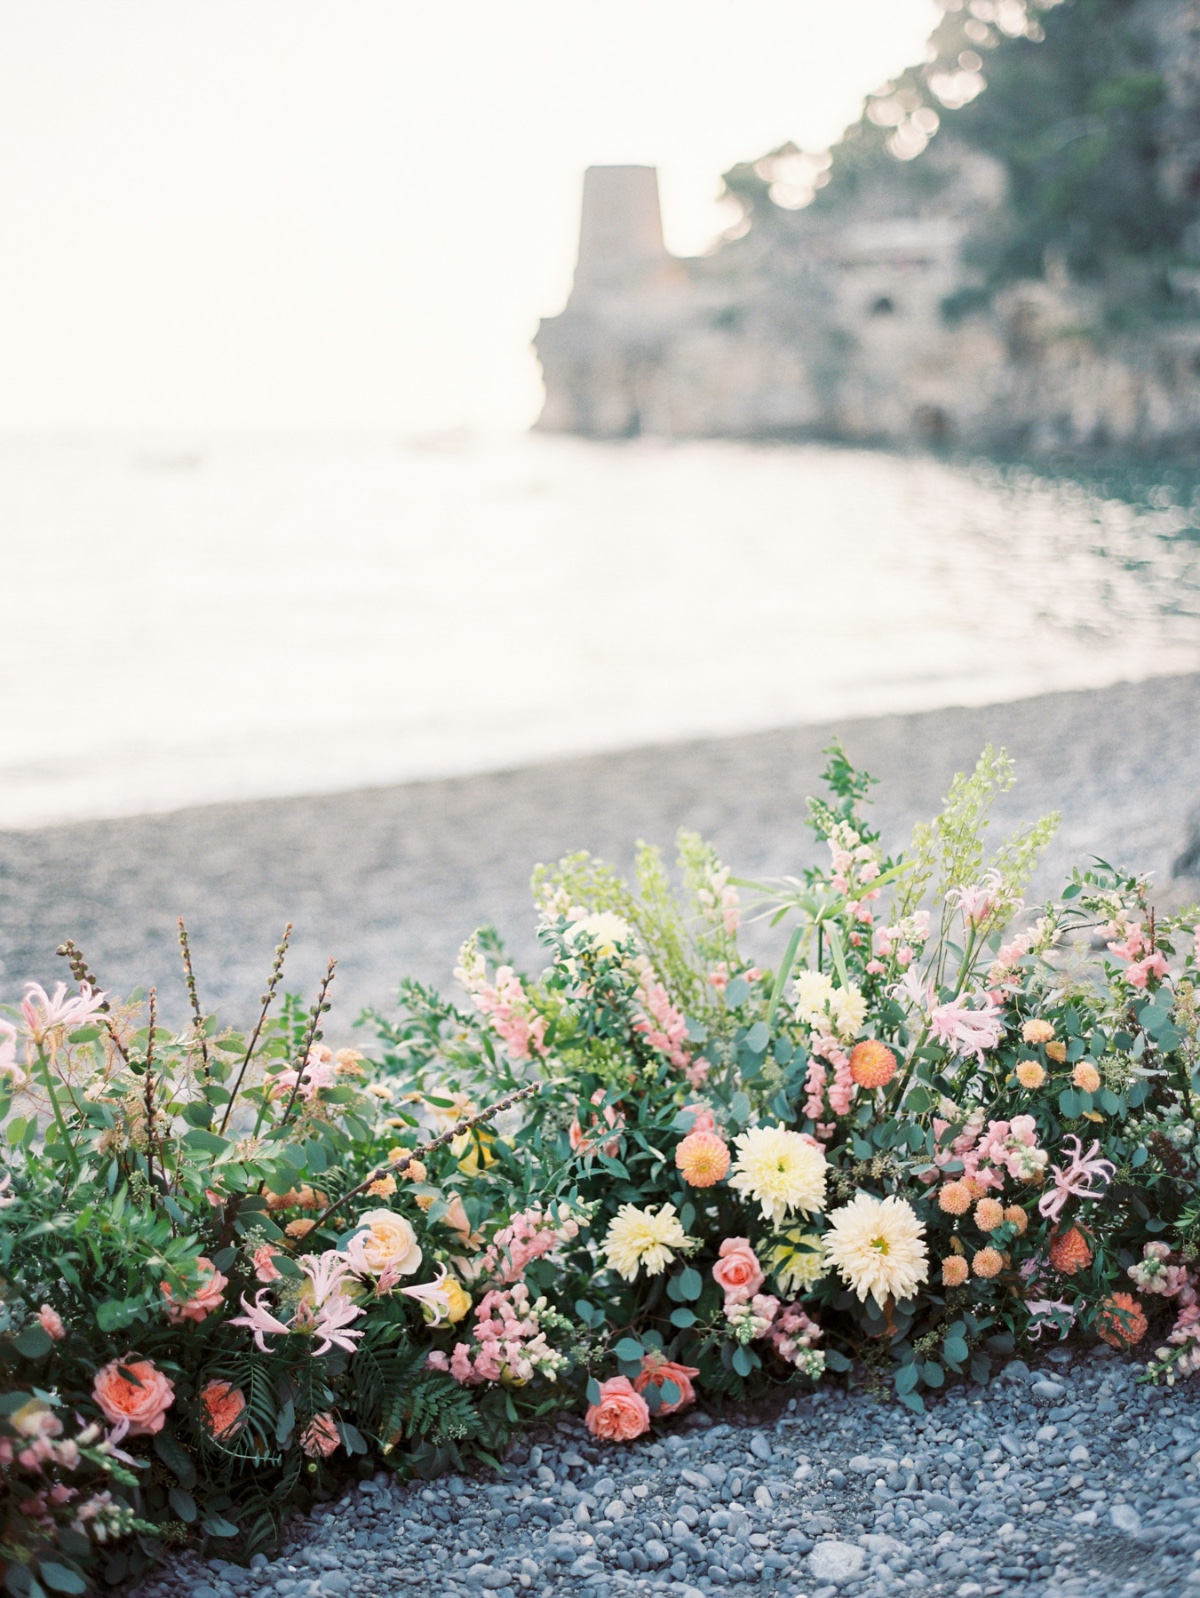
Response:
column 885, row 305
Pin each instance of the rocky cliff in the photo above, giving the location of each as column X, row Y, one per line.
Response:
column 1003, row 253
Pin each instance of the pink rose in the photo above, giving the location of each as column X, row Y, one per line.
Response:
column 656, row 1370
column 209, row 1296
column 264, row 1263
column 621, row 1415
column 52, row 1323
column 737, row 1272
column 143, row 1402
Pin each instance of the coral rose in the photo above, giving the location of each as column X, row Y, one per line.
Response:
column 621, row 1414
column 210, row 1295
column 737, row 1273
column 1031, row 1075
column 872, row 1064
column 1086, row 1077
column 987, row 1263
column 954, row 1271
column 1121, row 1322
column 954, row 1198
column 142, row 1397
column 703, row 1158
column 223, row 1404
column 320, row 1437
column 656, row 1370
column 1069, row 1252
column 388, row 1241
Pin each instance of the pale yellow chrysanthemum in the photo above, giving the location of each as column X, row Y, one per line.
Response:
column 878, row 1247
column 796, row 1262
column 849, row 1011
column 822, row 1006
column 605, row 930
column 781, row 1170
column 640, row 1238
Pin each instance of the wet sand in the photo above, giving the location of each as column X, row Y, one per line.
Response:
column 390, row 880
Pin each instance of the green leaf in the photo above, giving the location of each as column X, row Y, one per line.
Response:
column 758, row 1037
column 955, row 1350
column 629, row 1348
column 60, row 1578
column 15, row 1131
column 836, row 1361
column 669, row 1392
column 206, row 1142
column 1109, row 1102
column 737, row 992
column 743, row 1361
column 198, row 1113
column 918, row 1099
column 183, row 1504
column 914, row 1401
column 1068, row 1103
column 285, row 1424
column 739, row 1107
column 176, row 1458
column 593, row 1390
column 905, row 1379
column 34, row 1341
column 697, row 1032
column 113, row 1314
column 683, row 1317
column 691, row 1283
column 352, row 1439
column 218, row 1526
column 981, row 1368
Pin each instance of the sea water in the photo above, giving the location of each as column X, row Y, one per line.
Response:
column 203, row 619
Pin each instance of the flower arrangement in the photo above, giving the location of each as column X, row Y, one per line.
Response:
column 241, row 1266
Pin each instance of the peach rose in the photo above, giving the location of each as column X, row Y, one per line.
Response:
column 737, row 1272
column 143, row 1402
column 320, row 1436
column 209, row 1296
column 656, row 1370
column 223, row 1404
column 388, row 1241
column 52, row 1323
column 621, row 1415
column 264, row 1263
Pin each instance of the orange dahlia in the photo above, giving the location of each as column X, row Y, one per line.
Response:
column 703, row 1158
column 1030, row 1075
column 954, row 1271
column 872, row 1064
column 1121, row 1322
column 1069, row 1252
column 1016, row 1216
column 989, row 1214
column 954, row 1198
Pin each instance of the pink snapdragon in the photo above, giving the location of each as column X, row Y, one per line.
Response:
column 793, row 1336
column 528, row 1236
column 814, row 1087
column 504, row 1002
column 1153, row 1274
column 1133, row 945
column 1077, row 1179
column 1014, row 1145
column 43, row 1013
column 1139, row 972
column 1185, row 1334
column 319, row 1071
column 663, row 1026
column 843, row 1087
column 965, row 1030
column 508, row 1342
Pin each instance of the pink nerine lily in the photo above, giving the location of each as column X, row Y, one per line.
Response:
column 326, row 1272
column 965, row 1030
column 1075, row 1180
column 42, row 1013
column 259, row 1320
column 432, row 1298
column 331, row 1322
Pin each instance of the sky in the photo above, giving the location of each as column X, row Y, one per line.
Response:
column 306, row 214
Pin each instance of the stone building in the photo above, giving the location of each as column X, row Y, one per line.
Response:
column 849, row 320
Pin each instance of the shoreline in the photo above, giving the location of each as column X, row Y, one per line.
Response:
column 391, row 879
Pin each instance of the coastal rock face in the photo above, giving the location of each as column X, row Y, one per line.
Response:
column 866, row 316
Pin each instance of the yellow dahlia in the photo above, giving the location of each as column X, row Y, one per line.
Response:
column 1037, row 1031
column 954, row 1198
column 638, row 1238
column 703, row 1158
column 1086, row 1077
column 954, row 1271
column 796, row 1261
column 878, row 1247
column 987, row 1263
column 1031, row 1075
column 780, row 1170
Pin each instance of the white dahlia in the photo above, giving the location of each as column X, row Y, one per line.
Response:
column 605, row 929
column 780, row 1170
column 637, row 1238
column 878, row 1247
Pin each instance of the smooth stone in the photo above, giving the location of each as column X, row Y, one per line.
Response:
column 1125, row 1518
column 1045, row 1388
column 657, row 1552
column 835, row 1561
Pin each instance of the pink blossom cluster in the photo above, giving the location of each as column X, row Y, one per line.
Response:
column 793, row 1334
column 41, row 1447
column 900, row 942
column 1081, row 1176
column 508, row 1344
column 752, row 1320
column 1154, row 1274
column 841, row 1089
column 721, row 901
column 980, row 900
column 528, row 1236
column 1004, row 971
column 1185, row 1334
column 850, row 865
column 988, row 1154
column 663, row 1026
column 1144, row 961
column 505, row 1004
column 324, row 1310
column 967, row 1029
column 586, row 1142
column 319, row 1071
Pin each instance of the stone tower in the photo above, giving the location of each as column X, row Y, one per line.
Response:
column 620, row 233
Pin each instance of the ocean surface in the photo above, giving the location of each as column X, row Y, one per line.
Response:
column 185, row 620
